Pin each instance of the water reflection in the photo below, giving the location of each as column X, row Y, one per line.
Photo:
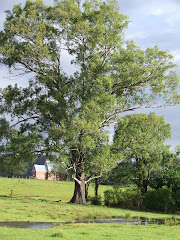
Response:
column 122, row 220
column 117, row 220
column 32, row 225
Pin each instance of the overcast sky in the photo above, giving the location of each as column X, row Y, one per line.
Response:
column 153, row 22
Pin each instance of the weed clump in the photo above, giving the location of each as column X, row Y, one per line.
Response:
column 58, row 235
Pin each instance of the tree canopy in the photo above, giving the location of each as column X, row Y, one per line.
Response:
column 141, row 138
column 17, row 152
column 111, row 76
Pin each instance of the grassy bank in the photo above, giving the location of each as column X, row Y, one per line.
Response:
column 38, row 200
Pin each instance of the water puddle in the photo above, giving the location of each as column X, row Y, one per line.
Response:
column 117, row 220
column 122, row 220
column 31, row 225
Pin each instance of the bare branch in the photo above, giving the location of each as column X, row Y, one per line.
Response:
column 93, row 177
column 25, row 120
column 77, row 180
column 117, row 111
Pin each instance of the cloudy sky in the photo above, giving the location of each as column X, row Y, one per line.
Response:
column 153, row 22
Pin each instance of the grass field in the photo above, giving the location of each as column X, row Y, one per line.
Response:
column 22, row 201
column 94, row 232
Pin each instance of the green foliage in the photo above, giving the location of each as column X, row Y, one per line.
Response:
column 100, row 160
column 169, row 159
column 17, row 152
column 97, row 200
column 160, row 200
column 176, row 159
column 141, row 138
column 130, row 198
column 146, row 133
column 128, row 216
column 177, row 199
column 113, row 76
column 122, row 174
column 168, row 177
column 4, row 128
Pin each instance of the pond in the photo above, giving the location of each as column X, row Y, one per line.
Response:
column 117, row 220
column 123, row 220
column 32, row 225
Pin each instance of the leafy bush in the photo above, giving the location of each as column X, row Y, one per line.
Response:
column 160, row 200
column 97, row 200
column 177, row 199
column 166, row 193
column 117, row 197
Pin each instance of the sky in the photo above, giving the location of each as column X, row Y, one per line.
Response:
column 152, row 22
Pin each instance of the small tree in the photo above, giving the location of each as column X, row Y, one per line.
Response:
column 140, row 138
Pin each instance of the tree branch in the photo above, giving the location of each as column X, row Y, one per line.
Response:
column 93, row 177
column 77, row 180
column 24, row 120
column 117, row 111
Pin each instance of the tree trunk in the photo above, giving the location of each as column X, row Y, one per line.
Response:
column 145, row 185
column 79, row 191
column 11, row 175
column 96, row 187
column 87, row 190
column 142, row 175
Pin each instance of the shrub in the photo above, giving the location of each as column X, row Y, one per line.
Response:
column 117, row 197
column 177, row 199
column 109, row 198
column 95, row 200
column 160, row 200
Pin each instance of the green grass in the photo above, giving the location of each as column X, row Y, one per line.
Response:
column 94, row 232
column 24, row 204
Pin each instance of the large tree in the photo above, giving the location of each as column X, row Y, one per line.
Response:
column 110, row 76
column 140, row 138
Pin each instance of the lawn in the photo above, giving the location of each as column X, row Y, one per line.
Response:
column 37, row 200
column 94, row 232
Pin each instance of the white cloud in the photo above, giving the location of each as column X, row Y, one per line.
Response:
column 136, row 35
column 176, row 55
column 157, row 11
column 173, row 20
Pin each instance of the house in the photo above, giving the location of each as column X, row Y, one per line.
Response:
column 44, row 169
column 39, row 172
column 28, row 174
column 48, row 171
